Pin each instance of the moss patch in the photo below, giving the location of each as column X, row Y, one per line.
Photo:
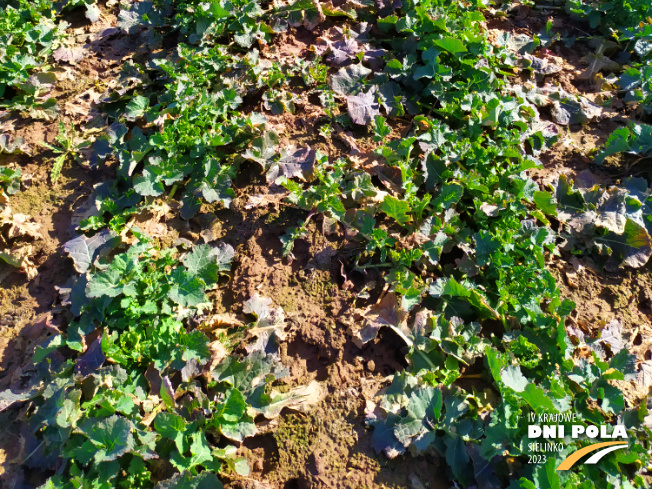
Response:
column 31, row 200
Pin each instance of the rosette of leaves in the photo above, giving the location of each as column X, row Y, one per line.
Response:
column 417, row 416
column 28, row 35
column 143, row 294
column 243, row 20
column 110, row 428
column 198, row 133
column 140, row 389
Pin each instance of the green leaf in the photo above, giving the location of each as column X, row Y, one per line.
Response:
column 150, row 183
column 396, row 209
column 195, row 346
column 546, row 474
column 200, row 450
column 537, row 398
column 545, row 202
column 136, row 107
column 449, row 195
column 172, row 426
column 456, row 457
column 234, row 407
column 105, row 284
column 238, row 431
column 112, row 437
column 451, row 44
column 186, row 290
column 201, row 263
column 53, row 344
column 70, row 412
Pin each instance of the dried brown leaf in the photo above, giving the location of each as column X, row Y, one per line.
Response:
column 19, row 225
column 386, row 312
column 21, row 258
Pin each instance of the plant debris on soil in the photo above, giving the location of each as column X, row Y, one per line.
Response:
column 324, row 244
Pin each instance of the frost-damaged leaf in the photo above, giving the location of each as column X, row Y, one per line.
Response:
column 21, row 258
column 644, row 376
column 384, row 441
column 70, row 411
column 48, row 110
column 92, row 12
column 348, row 80
column 306, row 13
column 112, row 437
column 191, row 369
column 612, row 335
column 185, row 480
column 301, row 399
column 250, row 376
column 82, row 250
column 19, row 225
column 391, row 98
column 387, row 7
column 387, row 312
column 167, row 393
column 133, row 19
column 570, row 109
column 294, row 163
column 11, row 145
column 264, row 200
column 598, row 62
column 634, row 246
column 8, row 397
column 542, row 66
column 363, row 107
column 343, row 51
column 263, row 149
column 610, row 210
column 72, row 55
column 269, row 328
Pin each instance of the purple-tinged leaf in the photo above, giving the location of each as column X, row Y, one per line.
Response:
column 363, row 107
column 295, row 163
column 92, row 359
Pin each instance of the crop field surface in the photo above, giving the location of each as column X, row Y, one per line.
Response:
column 288, row 244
